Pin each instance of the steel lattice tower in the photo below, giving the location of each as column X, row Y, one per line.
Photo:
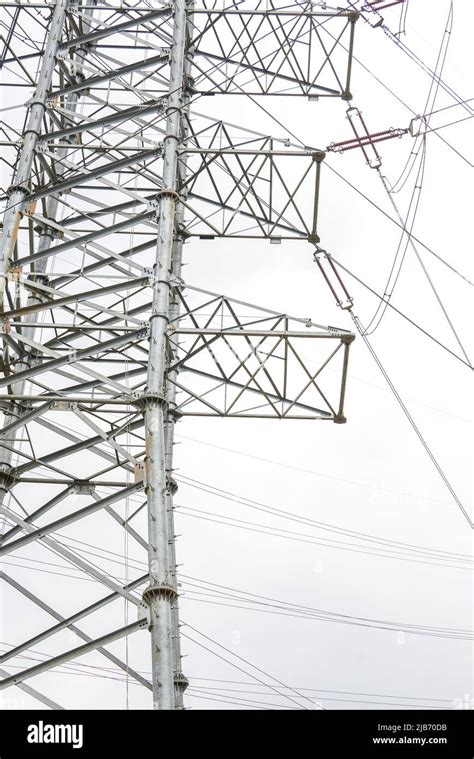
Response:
column 104, row 346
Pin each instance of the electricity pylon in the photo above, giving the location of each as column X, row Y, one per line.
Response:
column 105, row 347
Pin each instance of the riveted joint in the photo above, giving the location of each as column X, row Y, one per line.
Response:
column 78, row 77
column 46, row 230
column 177, row 282
column 318, row 156
column 182, row 233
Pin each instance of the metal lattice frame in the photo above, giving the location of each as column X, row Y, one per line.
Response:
column 104, row 347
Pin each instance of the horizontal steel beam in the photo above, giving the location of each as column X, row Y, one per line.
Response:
column 83, row 240
column 90, row 126
column 74, row 559
column 35, row 694
column 58, row 524
column 264, row 72
column 237, row 151
column 37, row 513
column 246, row 214
column 320, row 413
column 82, row 353
column 77, row 447
column 64, row 398
column 99, row 34
column 103, row 262
column 80, row 483
column 75, row 298
column 276, row 12
column 95, row 80
column 71, row 328
column 100, row 171
column 244, row 415
column 64, row 623
column 74, row 653
column 343, row 336
column 30, row 416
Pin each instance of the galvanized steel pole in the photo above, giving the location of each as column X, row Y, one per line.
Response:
column 180, row 680
column 160, row 596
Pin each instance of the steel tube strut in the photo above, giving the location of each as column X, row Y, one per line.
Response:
column 74, row 653
column 180, row 680
column 161, row 593
column 62, row 624
column 19, row 190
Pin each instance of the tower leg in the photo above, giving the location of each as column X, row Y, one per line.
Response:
column 161, row 593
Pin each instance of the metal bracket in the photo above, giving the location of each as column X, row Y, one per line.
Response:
column 63, row 406
column 176, row 281
column 153, row 204
column 143, row 613
column 140, row 473
column 84, row 489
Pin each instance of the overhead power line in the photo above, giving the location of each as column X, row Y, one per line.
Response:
column 252, row 666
